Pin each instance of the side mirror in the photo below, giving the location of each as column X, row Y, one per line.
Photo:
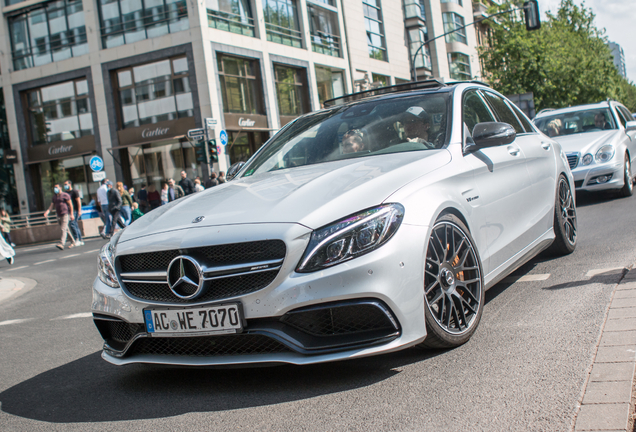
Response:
column 234, row 170
column 630, row 126
column 491, row 134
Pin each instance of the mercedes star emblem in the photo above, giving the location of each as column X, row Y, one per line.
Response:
column 198, row 219
column 185, row 277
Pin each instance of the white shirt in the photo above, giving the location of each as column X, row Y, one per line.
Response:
column 102, row 195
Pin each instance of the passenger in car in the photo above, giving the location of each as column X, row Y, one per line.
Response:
column 352, row 141
column 555, row 128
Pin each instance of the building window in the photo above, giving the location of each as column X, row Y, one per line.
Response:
column 454, row 21
column 59, row 112
column 417, row 39
column 49, row 33
column 154, row 92
column 291, row 92
column 325, row 35
column 415, row 9
column 8, row 186
column 231, row 15
column 330, row 83
column 380, row 80
column 459, row 2
column 459, row 65
column 240, row 85
column 375, row 29
column 128, row 21
column 401, row 81
column 281, row 22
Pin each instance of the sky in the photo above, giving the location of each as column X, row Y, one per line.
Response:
column 617, row 17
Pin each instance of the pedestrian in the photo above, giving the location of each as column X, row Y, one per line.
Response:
column 186, row 184
column 5, row 226
column 114, row 207
column 6, row 251
column 197, row 186
column 77, row 211
column 175, row 191
column 126, row 210
column 221, row 177
column 131, row 191
column 154, row 199
column 136, row 213
column 212, row 180
column 64, row 212
column 102, row 206
column 142, row 198
column 164, row 194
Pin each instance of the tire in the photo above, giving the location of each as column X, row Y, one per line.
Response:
column 565, row 227
column 628, row 188
column 454, row 292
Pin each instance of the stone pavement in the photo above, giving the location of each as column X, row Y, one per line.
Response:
column 605, row 405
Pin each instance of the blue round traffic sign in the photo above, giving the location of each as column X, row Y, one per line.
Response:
column 96, row 163
column 223, row 137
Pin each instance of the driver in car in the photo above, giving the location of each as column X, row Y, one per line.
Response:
column 352, row 141
column 417, row 124
column 599, row 120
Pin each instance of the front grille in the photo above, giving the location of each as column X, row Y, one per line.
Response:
column 339, row 319
column 573, row 160
column 217, row 289
column 208, row 346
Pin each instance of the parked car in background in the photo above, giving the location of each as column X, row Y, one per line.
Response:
column 599, row 141
column 370, row 226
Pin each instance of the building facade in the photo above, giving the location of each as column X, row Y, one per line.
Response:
column 127, row 79
column 619, row 58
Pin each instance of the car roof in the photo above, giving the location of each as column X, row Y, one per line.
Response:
column 551, row 112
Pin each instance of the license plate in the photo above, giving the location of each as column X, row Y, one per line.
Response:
column 222, row 319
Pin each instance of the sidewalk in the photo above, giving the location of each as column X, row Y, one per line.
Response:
column 606, row 404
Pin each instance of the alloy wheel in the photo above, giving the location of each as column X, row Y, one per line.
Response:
column 452, row 282
column 628, row 174
column 568, row 211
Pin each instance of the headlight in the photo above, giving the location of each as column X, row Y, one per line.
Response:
column 605, row 153
column 105, row 266
column 351, row 237
column 587, row 159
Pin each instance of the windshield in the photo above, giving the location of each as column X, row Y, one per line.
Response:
column 592, row 120
column 374, row 128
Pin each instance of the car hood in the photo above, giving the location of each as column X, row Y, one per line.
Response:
column 587, row 142
column 313, row 195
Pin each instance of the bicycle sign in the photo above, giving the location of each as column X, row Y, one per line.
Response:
column 96, row 163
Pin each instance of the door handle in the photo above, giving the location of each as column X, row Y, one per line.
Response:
column 513, row 150
column 546, row 146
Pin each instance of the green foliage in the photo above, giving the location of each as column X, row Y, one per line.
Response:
column 566, row 62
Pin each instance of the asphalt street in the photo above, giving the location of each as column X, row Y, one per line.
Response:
column 524, row 369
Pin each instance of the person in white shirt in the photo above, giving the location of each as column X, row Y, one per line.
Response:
column 102, row 205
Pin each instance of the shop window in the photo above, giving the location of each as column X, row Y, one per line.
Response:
column 240, row 85
column 375, row 29
column 330, row 83
column 51, row 32
column 281, row 22
column 127, row 21
column 380, row 80
column 325, row 33
column 154, row 92
column 231, row 15
column 459, row 65
column 453, row 21
column 291, row 90
column 59, row 112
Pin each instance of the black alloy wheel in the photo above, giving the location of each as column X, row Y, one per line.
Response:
column 453, row 285
column 565, row 228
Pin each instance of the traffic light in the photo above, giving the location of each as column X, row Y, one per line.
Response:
column 199, row 150
column 531, row 12
column 214, row 154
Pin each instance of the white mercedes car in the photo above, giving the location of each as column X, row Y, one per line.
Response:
column 599, row 141
column 371, row 226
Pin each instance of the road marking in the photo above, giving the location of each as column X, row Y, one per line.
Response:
column 73, row 316
column 70, row 256
column 597, row 272
column 15, row 321
column 527, row 278
column 44, row 262
column 94, row 250
column 17, row 268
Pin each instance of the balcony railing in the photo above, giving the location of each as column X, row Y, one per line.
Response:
column 231, row 22
column 283, row 35
column 325, row 43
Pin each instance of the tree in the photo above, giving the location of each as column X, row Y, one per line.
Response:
column 566, row 62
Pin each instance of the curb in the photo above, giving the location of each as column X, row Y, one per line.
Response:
column 606, row 401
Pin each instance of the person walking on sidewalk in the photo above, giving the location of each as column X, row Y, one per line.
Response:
column 186, row 184
column 5, row 226
column 64, row 211
column 6, row 251
column 102, row 206
column 114, row 207
column 77, row 211
column 126, row 205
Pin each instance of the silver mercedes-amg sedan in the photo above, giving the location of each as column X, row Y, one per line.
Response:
column 373, row 225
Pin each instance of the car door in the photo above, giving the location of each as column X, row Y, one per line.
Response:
column 501, row 186
column 630, row 137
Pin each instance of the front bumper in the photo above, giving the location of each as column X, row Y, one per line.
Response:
column 585, row 177
column 387, row 282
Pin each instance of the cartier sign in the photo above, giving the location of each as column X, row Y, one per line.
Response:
column 244, row 121
column 61, row 149
column 155, row 132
